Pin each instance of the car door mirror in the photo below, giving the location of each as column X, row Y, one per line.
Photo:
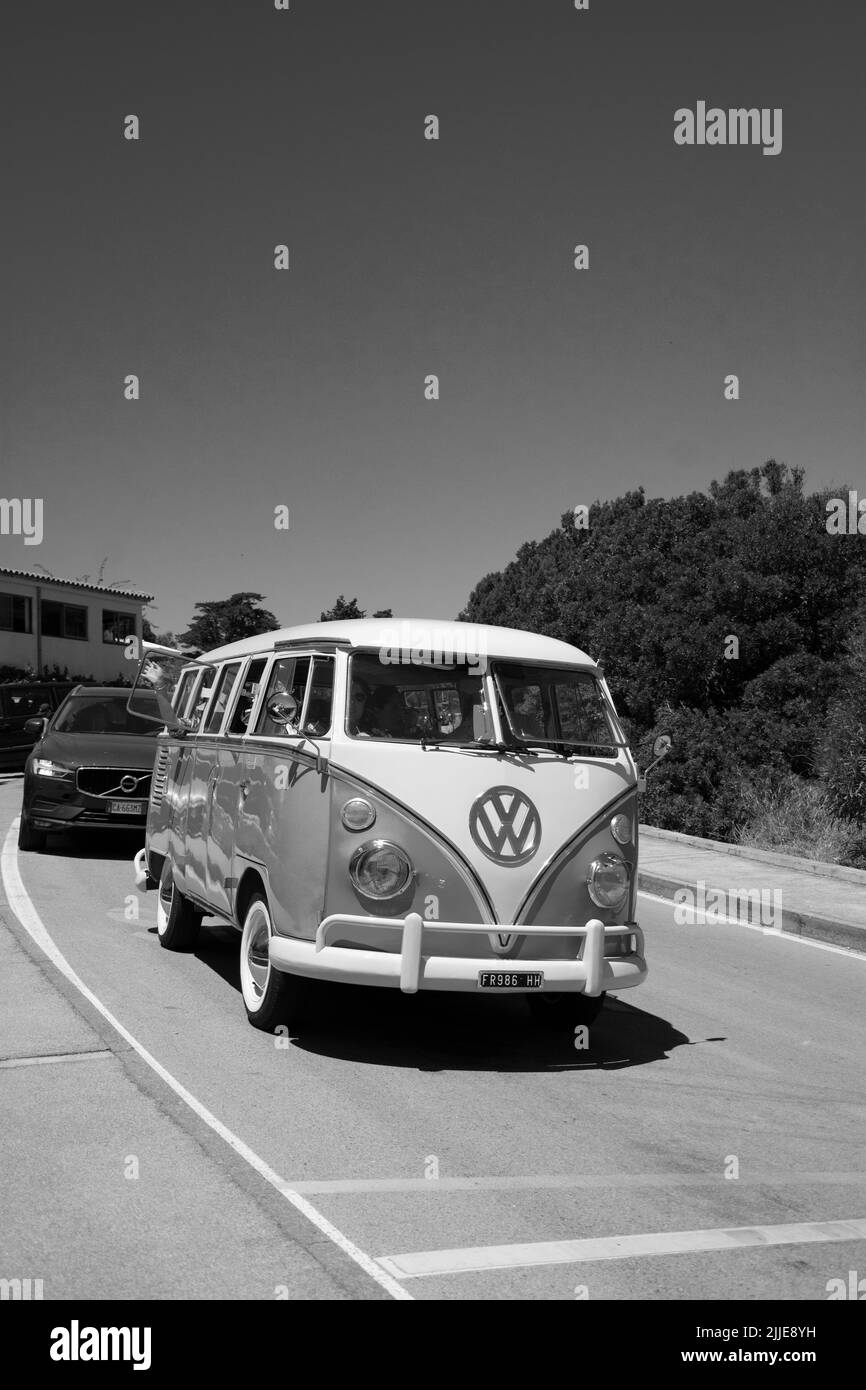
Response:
column 661, row 748
column 283, row 709
column 36, row 727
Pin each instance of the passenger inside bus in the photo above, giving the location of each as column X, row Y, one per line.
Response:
column 386, row 715
column 358, row 698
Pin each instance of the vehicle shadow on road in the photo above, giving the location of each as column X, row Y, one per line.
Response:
column 119, row 842
column 218, row 949
column 454, row 1032
column 441, row 1032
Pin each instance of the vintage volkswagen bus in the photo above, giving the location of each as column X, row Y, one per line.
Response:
column 416, row 805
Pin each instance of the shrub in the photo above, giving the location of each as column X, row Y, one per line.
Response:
column 795, row 816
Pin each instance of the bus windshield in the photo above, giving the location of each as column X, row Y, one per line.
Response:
column 416, row 703
column 546, row 705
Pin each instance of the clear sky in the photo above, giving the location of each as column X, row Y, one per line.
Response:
column 408, row 257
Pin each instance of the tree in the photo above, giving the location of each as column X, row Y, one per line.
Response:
column 164, row 639
column 341, row 610
column 221, row 621
column 657, row 589
column 654, row 589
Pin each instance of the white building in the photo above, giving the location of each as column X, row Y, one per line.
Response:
column 82, row 628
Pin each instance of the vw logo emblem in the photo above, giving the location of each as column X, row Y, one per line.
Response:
column 128, row 784
column 505, row 825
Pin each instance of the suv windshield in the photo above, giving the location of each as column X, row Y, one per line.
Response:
column 103, row 714
column 555, row 705
column 415, row 703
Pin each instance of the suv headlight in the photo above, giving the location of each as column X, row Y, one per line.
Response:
column 380, row 869
column 44, row 767
column 608, row 880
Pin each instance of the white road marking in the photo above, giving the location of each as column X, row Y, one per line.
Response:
column 95, row 1054
column 554, row 1252
column 724, row 921
column 606, row 1181
column 20, row 903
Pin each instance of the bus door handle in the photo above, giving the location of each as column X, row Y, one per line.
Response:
column 244, row 788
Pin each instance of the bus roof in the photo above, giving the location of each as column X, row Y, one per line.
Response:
column 474, row 639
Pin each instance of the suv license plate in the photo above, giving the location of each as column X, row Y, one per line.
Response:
column 510, row 979
column 126, row 808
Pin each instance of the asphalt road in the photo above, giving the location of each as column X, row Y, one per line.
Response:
column 743, row 1053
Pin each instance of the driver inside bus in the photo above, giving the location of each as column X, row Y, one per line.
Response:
column 472, row 713
column 525, row 713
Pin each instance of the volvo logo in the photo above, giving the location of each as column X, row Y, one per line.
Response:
column 128, row 784
column 505, row 825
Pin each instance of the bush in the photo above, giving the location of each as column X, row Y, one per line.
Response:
column 700, row 787
column 845, row 767
column 843, row 749
column 796, row 816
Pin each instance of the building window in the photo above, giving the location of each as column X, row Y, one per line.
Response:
column 16, row 613
column 116, row 627
column 64, row 620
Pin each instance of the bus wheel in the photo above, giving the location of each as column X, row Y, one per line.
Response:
column 564, row 1010
column 270, row 996
column 28, row 838
column 177, row 921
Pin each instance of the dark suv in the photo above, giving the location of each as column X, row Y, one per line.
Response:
column 90, row 768
column 20, row 703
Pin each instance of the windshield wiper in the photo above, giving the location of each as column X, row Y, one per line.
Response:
column 476, row 746
column 554, row 744
column 521, row 747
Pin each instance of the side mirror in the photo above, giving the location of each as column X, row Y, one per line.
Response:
column 661, row 748
column 36, row 727
column 283, row 709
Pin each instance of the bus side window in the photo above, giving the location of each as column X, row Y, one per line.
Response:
column 182, row 694
column 227, row 679
column 199, row 703
column 247, row 698
column 288, row 677
column 320, row 706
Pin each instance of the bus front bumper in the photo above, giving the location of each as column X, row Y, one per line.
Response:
column 409, row 969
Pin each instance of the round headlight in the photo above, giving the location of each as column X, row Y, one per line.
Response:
column 607, row 880
column 620, row 829
column 357, row 814
column 380, row 869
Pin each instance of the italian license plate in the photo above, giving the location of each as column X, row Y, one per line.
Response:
column 125, row 808
column 510, row 979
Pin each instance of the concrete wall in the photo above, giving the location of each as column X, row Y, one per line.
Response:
column 104, row 661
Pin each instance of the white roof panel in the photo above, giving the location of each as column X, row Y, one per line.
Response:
column 507, row 643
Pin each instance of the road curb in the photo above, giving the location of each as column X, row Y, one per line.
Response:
column 807, row 924
column 765, row 856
